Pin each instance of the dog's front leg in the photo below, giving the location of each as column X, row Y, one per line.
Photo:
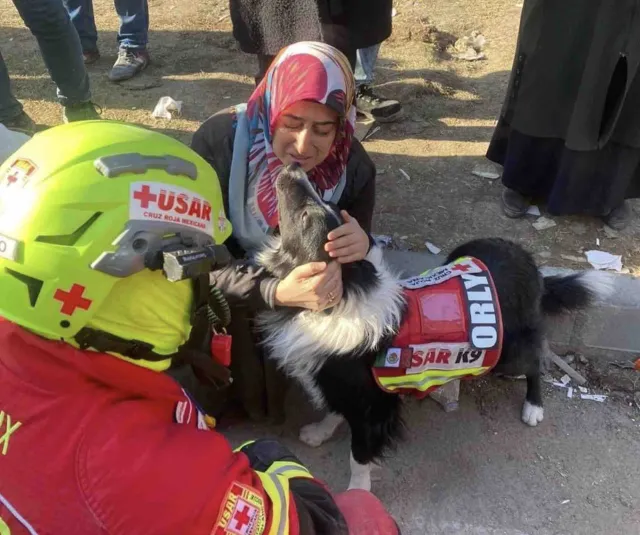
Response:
column 318, row 433
column 360, row 475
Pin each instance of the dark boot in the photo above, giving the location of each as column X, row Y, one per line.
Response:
column 619, row 217
column 514, row 205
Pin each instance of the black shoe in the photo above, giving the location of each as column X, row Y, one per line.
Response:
column 21, row 123
column 91, row 56
column 514, row 205
column 370, row 104
column 84, row 111
column 619, row 217
column 130, row 62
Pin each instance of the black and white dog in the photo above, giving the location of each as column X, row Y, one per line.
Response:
column 331, row 353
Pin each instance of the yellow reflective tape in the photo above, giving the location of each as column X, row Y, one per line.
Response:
column 424, row 381
column 243, row 445
column 429, row 374
column 277, row 488
column 289, row 470
column 435, row 375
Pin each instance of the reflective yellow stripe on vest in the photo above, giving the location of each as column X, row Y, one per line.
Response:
column 427, row 379
column 276, row 484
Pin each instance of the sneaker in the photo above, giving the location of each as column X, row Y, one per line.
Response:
column 84, row 111
column 130, row 62
column 514, row 205
column 370, row 104
column 91, row 56
column 21, row 123
column 619, row 217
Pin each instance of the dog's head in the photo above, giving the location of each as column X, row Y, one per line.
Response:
column 372, row 299
column 305, row 219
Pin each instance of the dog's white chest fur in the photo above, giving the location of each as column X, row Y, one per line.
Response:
column 302, row 343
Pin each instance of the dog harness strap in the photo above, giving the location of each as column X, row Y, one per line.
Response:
column 452, row 330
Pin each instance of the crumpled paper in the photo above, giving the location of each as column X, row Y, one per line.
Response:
column 165, row 106
column 603, row 260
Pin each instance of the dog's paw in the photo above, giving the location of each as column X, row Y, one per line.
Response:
column 360, row 475
column 318, row 433
column 314, row 435
column 361, row 482
column 532, row 414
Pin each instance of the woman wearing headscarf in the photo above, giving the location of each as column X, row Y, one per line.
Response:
column 302, row 112
column 569, row 130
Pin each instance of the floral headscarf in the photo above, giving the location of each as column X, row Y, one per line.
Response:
column 303, row 71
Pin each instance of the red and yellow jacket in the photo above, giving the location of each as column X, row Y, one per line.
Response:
column 90, row 444
column 452, row 329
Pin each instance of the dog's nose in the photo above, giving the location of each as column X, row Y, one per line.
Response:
column 290, row 174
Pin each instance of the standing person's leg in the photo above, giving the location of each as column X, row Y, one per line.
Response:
column 81, row 14
column 11, row 113
column 365, row 65
column 368, row 102
column 60, row 47
column 133, row 56
column 264, row 61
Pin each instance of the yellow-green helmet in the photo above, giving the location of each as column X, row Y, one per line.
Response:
column 85, row 204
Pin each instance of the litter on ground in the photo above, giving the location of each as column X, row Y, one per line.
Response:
column 432, row 248
column 543, row 223
column 165, row 106
column 604, row 260
column 533, row 210
column 594, row 397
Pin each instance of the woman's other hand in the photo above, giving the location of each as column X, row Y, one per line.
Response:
column 315, row 286
column 348, row 243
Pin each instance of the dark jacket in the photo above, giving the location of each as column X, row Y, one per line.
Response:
column 244, row 282
column 266, row 26
column 575, row 75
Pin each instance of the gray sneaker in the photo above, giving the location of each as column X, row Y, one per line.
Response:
column 130, row 62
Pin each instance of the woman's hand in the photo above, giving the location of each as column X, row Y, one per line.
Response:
column 315, row 286
column 348, row 243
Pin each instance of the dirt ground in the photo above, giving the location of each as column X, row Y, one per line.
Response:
column 451, row 107
column 480, row 471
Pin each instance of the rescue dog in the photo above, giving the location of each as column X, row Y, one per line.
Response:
column 331, row 353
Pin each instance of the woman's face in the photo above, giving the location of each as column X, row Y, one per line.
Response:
column 304, row 133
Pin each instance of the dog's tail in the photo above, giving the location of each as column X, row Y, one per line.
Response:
column 566, row 293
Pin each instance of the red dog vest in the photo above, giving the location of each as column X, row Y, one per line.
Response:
column 452, row 329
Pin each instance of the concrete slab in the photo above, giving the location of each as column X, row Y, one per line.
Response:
column 410, row 263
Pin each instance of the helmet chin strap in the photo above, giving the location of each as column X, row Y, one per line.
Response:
column 196, row 351
column 210, row 311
